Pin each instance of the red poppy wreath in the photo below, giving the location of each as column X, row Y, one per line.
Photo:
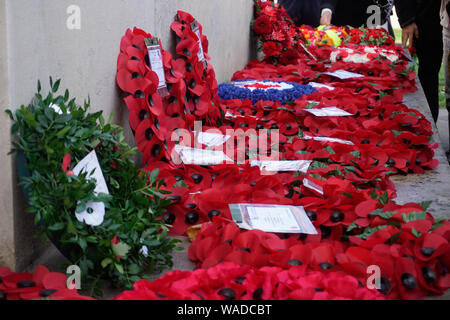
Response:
column 353, row 133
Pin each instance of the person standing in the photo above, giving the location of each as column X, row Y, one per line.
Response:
column 303, row 12
column 445, row 22
column 421, row 27
column 353, row 13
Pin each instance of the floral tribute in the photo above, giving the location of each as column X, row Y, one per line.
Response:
column 39, row 285
column 337, row 36
column 277, row 32
column 190, row 80
column 352, row 201
column 264, row 91
column 231, row 281
column 124, row 240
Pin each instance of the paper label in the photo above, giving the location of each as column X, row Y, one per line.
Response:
column 321, row 85
column 308, row 52
column 57, row 108
column 280, row 166
column 156, row 62
column 95, row 211
column 201, row 54
column 272, row 218
column 201, row 157
column 342, row 74
column 329, row 112
column 212, row 139
column 326, row 139
column 313, row 186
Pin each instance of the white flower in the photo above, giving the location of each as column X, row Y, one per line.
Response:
column 93, row 215
column 144, row 251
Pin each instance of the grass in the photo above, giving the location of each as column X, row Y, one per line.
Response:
column 398, row 39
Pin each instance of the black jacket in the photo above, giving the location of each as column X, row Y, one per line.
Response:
column 303, row 11
column 352, row 12
column 425, row 13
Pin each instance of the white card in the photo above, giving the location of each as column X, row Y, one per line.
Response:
column 56, row 108
column 201, row 157
column 329, row 112
column 313, row 186
column 201, row 53
column 156, row 63
column 342, row 74
column 321, row 85
column 281, row 166
column 212, row 139
column 326, row 139
column 87, row 165
column 272, row 218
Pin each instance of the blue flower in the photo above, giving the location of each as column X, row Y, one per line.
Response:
column 230, row 91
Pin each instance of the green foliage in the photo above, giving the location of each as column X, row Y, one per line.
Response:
column 133, row 208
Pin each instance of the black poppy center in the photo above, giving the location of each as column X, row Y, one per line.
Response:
column 228, row 294
column 192, row 218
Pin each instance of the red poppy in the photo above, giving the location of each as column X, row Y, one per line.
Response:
column 262, row 25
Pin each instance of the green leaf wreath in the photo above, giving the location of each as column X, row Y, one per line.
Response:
column 132, row 240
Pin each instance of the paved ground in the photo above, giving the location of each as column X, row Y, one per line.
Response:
column 442, row 125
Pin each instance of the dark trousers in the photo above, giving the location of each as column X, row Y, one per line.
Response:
column 430, row 51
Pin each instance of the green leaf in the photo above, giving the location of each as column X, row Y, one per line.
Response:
column 106, row 262
column 154, row 176
column 370, row 231
column 133, row 269
column 121, row 249
column 397, row 133
column 384, row 199
column 55, row 87
column 39, row 87
column 415, row 216
column 352, row 227
column 426, row 205
column 63, row 132
column 9, row 112
column 384, row 215
column 81, row 207
column 71, row 228
column 356, row 154
column 119, row 268
column 57, row 226
column 83, row 244
column 416, row 233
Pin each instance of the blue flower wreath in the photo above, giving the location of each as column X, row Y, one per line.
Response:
column 228, row 91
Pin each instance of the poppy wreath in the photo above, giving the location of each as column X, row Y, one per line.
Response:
column 39, row 285
column 202, row 99
column 152, row 117
column 231, row 281
column 277, row 32
column 352, row 204
column 124, row 241
column 409, row 246
column 264, row 91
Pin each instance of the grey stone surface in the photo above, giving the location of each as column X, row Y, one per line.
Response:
column 434, row 185
column 35, row 43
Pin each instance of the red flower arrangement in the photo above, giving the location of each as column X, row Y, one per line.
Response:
column 230, row 281
column 39, row 285
column 359, row 225
column 277, row 32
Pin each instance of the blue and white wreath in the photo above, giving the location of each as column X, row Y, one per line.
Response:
column 264, row 90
